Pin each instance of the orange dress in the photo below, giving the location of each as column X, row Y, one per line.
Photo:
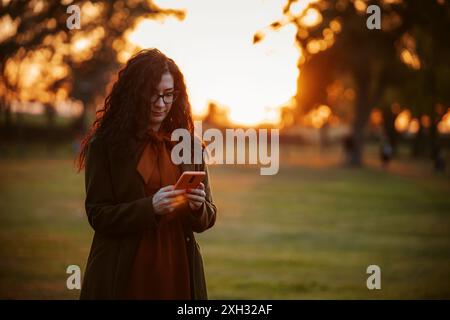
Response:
column 161, row 265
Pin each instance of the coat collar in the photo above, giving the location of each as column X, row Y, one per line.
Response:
column 131, row 148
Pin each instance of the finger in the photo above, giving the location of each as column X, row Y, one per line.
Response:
column 195, row 204
column 167, row 188
column 201, row 186
column 173, row 193
column 164, row 203
column 198, row 192
column 195, row 197
column 178, row 198
column 168, row 204
column 163, row 209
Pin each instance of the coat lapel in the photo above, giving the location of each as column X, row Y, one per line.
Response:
column 127, row 180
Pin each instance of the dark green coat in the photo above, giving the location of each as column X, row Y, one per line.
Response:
column 119, row 212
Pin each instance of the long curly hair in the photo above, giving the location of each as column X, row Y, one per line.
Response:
column 127, row 108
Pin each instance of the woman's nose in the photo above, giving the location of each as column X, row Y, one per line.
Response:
column 159, row 103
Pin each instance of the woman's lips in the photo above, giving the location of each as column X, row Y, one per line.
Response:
column 157, row 114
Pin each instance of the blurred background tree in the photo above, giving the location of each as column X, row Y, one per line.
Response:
column 348, row 73
column 38, row 51
column 406, row 61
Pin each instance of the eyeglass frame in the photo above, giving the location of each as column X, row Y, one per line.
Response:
column 157, row 95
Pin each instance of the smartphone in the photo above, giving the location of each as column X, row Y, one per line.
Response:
column 190, row 180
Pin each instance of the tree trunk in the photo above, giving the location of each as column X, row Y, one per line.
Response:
column 362, row 110
column 8, row 123
column 80, row 123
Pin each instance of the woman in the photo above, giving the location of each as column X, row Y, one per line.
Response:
column 143, row 245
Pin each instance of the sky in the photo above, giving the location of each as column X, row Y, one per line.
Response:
column 213, row 46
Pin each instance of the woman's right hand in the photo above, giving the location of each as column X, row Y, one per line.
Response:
column 167, row 199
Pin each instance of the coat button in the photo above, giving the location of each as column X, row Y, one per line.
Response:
column 188, row 239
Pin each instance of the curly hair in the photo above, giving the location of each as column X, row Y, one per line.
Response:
column 127, row 108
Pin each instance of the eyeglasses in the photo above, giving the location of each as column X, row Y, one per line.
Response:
column 168, row 97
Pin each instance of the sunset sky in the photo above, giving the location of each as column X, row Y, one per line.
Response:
column 214, row 48
column 213, row 45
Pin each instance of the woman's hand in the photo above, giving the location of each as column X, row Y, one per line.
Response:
column 196, row 197
column 167, row 199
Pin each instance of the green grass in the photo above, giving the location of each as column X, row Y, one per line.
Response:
column 308, row 232
column 40, row 119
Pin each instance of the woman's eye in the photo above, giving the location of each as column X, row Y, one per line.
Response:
column 169, row 95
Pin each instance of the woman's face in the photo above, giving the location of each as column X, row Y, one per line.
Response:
column 160, row 105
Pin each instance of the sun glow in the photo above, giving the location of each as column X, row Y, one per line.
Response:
column 213, row 47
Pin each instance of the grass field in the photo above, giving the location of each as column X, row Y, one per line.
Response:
column 308, row 232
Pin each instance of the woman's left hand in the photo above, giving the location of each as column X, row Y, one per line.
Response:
column 196, row 197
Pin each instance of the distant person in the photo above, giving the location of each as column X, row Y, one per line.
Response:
column 50, row 114
column 324, row 135
column 348, row 144
column 144, row 245
column 439, row 159
column 386, row 153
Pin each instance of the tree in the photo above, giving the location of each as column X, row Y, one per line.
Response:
column 338, row 44
column 37, row 25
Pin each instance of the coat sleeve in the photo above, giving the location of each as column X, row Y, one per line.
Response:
column 104, row 214
column 205, row 217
